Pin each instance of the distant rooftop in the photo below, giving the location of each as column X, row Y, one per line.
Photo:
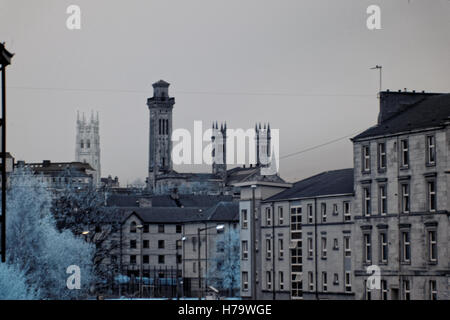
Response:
column 53, row 168
column 181, row 200
column 334, row 182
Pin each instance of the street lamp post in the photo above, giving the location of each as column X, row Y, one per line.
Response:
column 177, row 263
column 219, row 227
column 253, row 241
column 140, row 227
column 183, row 240
column 5, row 60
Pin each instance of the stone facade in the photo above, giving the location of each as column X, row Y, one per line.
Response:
column 252, row 238
column 303, row 238
column 401, row 203
column 166, row 239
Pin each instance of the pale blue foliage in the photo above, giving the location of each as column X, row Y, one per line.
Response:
column 224, row 270
column 13, row 284
column 36, row 247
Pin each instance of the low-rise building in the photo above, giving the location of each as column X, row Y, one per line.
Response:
column 161, row 243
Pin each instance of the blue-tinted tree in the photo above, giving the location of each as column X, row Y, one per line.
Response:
column 13, row 284
column 35, row 248
column 81, row 208
column 224, row 269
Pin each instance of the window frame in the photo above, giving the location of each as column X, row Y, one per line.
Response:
column 268, row 249
column 384, row 290
column 367, row 248
column 281, row 280
column 384, row 247
column 280, row 249
column 405, row 197
column 382, row 156
column 347, row 214
column 269, row 280
column 431, row 243
column 244, row 280
column 404, row 153
column 430, row 147
column 382, row 199
column 244, row 215
column 324, row 282
column 323, row 246
column 405, row 246
column 365, row 151
column 310, row 247
column 280, row 215
column 311, row 281
column 432, row 289
column 323, row 211
column 431, row 195
column 348, row 281
column 268, row 216
column 406, row 289
column 244, row 247
column 367, row 201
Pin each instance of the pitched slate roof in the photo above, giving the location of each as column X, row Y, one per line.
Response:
column 432, row 111
column 183, row 200
column 326, row 183
column 224, row 211
column 221, row 212
column 167, row 215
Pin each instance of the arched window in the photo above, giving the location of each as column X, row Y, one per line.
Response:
column 133, row 227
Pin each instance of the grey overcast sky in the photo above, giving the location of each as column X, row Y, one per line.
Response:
column 302, row 65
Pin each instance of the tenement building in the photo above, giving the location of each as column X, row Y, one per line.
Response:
column 401, row 205
column 304, row 240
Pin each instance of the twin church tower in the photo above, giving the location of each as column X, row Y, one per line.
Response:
column 161, row 176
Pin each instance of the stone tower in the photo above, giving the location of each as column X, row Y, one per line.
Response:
column 87, row 148
column 160, row 132
column 263, row 141
column 219, row 149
